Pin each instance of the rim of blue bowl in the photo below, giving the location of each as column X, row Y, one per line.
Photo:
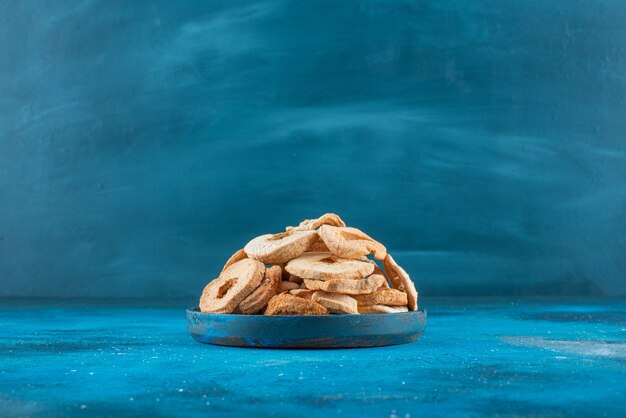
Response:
column 196, row 310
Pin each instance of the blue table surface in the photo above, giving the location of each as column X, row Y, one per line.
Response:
column 477, row 358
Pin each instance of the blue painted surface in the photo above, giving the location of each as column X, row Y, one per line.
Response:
column 482, row 141
column 477, row 358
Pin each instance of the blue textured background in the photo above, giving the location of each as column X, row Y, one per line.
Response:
column 482, row 141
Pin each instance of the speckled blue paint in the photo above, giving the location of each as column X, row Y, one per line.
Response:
column 478, row 358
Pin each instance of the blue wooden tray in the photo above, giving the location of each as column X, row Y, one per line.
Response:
column 323, row 331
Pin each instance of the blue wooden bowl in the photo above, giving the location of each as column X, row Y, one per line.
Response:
column 315, row 331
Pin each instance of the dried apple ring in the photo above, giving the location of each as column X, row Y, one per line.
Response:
column 353, row 287
column 286, row 304
column 381, row 309
column 223, row 294
column 401, row 280
column 336, row 303
column 347, row 242
column 269, row 287
column 326, row 266
column 311, row 224
column 391, row 297
column 302, row 293
column 280, row 248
